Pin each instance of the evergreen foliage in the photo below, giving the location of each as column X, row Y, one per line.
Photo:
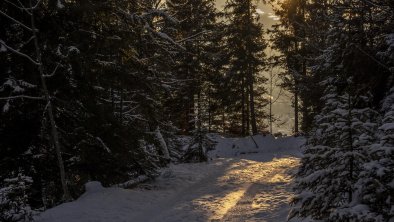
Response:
column 376, row 190
column 101, row 90
column 334, row 156
column 347, row 45
column 14, row 199
column 244, row 45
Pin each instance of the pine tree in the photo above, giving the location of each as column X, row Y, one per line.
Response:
column 38, row 65
column 195, row 66
column 375, row 186
column 107, row 69
column 317, row 40
column 245, row 46
column 334, row 156
column 288, row 38
column 194, row 63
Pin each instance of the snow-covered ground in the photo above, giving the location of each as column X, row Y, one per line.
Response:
column 241, row 182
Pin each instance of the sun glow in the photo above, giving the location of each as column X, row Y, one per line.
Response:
column 246, row 182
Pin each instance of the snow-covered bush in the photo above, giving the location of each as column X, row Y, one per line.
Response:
column 198, row 147
column 14, row 198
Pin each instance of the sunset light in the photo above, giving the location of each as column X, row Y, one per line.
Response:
column 196, row 111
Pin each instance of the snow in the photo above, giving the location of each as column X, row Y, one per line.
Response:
column 163, row 144
column 390, row 41
column 2, row 48
column 6, row 107
column 133, row 182
column 93, row 187
column 239, row 183
column 387, row 127
column 106, row 148
column 230, row 147
column 73, row 49
column 59, row 4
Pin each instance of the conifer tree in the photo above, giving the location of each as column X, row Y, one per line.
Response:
column 245, row 46
column 195, row 32
column 14, row 199
column 375, row 186
column 334, row 155
column 195, row 65
column 106, row 66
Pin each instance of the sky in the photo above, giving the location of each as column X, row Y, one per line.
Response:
column 264, row 10
column 282, row 108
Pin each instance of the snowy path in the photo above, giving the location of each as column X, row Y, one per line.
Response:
column 238, row 189
column 247, row 190
column 267, row 198
column 253, row 187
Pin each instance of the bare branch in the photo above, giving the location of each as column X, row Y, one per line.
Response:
column 16, row 21
column 22, row 97
column 45, row 110
column 21, row 8
column 53, row 72
column 25, row 43
column 278, row 96
column 373, row 58
column 31, row 8
column 192, row 36
column 19, row 53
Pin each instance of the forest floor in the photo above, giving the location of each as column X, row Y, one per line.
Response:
column 240, row 183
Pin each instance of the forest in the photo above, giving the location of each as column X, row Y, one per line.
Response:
column 115, row 90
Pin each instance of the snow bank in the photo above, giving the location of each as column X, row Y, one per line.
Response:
column 93, row 187
column 230, row 147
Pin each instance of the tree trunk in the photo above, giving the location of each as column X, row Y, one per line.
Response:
column 271, row 92
column 252, row 108
column 121, row 105
column 247, row 111
column 304, row 108
column 270, row 113
column 250, row 67
column 223, row 121
column 112, row 98
column 296, row 111
column 243, row 107
column 200, row 135
column 163, row 144
column 209, row 110
column 351, row 158
column 54, row 132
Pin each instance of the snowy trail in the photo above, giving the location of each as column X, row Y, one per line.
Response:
column 266, row 199
column 248, row 191
column 235, row 189
column 252, row 187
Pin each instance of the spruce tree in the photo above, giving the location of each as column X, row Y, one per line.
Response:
column 245, row 47
column 195, row 32
column 334, row 155
column 195, row 65
column 106, row 66
column 375, row 186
